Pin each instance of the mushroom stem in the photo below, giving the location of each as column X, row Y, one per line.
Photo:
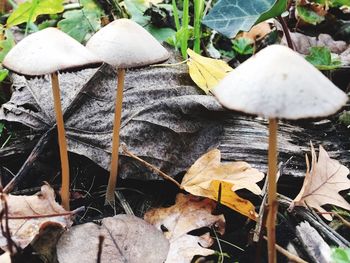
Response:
column 115, row 141
column 61, row 141
column 272, row 172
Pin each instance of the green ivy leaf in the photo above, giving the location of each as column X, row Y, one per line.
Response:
column 231, row 16
column 80, row 24
column 31, row 9
column 321, row 58
column 6, row 44
column 341, row 255
column 137, row 8
column 243, row 46
column 308, row 15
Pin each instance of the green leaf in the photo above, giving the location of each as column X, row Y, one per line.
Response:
column 2, row 127
column 31, row 9
column 3, row 74
column 308, row 15
column 231, row 16
column 161, row 34
column 243, row 46
column 341, row 255
column 6, row 44
column 80, row 24
column 321, row 58
column 137, row 8
column 278, row 8
column 339, row 3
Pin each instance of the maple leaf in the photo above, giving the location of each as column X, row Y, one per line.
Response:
column 207, row 173
column 206, row 72
column 323, row 183
column 187, row 214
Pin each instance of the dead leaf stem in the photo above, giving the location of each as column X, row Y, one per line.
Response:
column 151, row 167
column 287, row 254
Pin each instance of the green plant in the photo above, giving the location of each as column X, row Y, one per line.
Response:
column 28, row 11
column 321, row 58
column 243, row 46
column 341, row 255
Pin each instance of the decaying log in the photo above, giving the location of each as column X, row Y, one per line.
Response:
column 313, row 243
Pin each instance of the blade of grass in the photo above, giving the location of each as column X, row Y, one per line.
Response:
column 198, row 15
column 185, row 23
column 176, row 15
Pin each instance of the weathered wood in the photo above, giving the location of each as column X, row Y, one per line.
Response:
column 245, row 138
column 313, row 243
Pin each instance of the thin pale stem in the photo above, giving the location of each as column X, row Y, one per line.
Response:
column 61, row 141
column 272, row 173
column 112, row 182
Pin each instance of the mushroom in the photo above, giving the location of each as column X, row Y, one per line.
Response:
column 278, row 83
column 48, row 52
column 124, row 44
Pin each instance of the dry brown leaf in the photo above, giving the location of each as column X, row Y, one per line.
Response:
column 189, row 213
column 199, row 179
column 23, row 231
column 302, row 43
column 323, row 183
column 126, row 239
column 257, row 32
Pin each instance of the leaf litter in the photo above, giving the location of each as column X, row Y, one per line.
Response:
column 187, row 214
column 27, row 216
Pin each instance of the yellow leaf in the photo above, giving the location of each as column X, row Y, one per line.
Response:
column 206, row 72
column 231, row 199
column 233, row 176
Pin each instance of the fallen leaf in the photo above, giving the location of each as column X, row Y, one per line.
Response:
column 170, row 129
column 323, row 182
column 23, row 231
column 126, row 239
column 187, row 214
column 302, row 43
column 183, row 249
column 206, row 72
column 203, row 177
column 5, row 258
column 257, row 32
column 231, row 199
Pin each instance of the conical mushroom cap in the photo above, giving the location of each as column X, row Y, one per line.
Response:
column 279, row 83
column 125, row 44
column 48, row 51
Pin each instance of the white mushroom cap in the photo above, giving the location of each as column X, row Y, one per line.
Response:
column 279, row 83
column 125, row 44
column 48, row 51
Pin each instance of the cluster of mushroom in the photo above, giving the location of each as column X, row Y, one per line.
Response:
column 278, row 83
column 275, row 83
column 122, row 44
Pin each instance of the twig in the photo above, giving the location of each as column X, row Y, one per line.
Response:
column 39, row 147
column 151, row 167
column 78, row 210
column 287, row 254
column 100, row 246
